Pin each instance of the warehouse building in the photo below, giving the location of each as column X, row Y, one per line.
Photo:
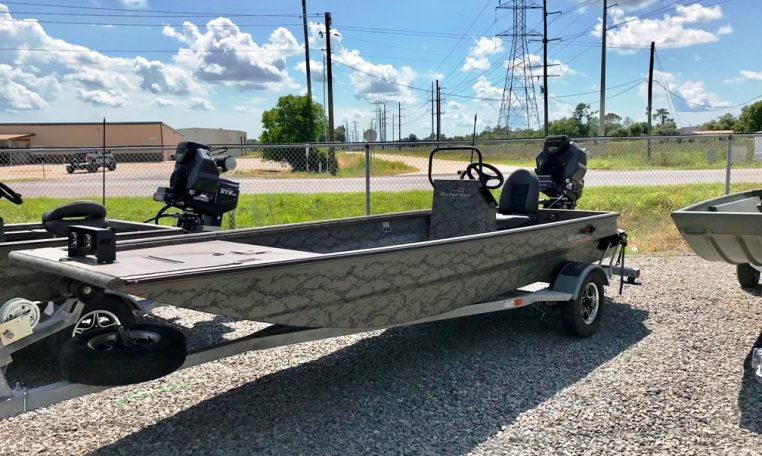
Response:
column 214, row 136
column 54, row 142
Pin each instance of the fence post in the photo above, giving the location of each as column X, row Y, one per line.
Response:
column 307, row 157
column 727, row 164
column 367, row 178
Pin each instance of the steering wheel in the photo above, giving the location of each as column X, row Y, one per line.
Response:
column 9, row 194
column 484, row 176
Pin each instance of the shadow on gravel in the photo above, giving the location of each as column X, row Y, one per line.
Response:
column 440, row 388
column 750, row 396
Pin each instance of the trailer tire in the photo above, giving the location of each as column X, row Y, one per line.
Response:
column 98, row 358
column 748, row 277
column 102, row 313
column 581, row 316
column 69, row 169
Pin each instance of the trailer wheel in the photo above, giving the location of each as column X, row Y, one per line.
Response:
column 748, row 277
column 69, row 169
column 121, row 356
column 107, row 312
column 581, row 316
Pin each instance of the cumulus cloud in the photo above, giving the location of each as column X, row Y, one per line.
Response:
column 725, row 30
column 485, row 89
column 162, row 102
column 317, row 72
column 478, row 55
column 226, row 55
column 157, row 77
column 671, row 31
column 109, row 98
column 370, row 81
column 18, row 93
column 200, row 104
column 751, row 75
column 691, row 95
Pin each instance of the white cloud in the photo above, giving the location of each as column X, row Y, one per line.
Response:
column 370, row 81
column 110, row 98
column 18, row 94
column 751, row 75
column 725, row 30
column 200, row 104
column 226, row 55
column 162, row 102
column 478, row 55
column 317, row 72
column 485, row 89
column 691, row 95
column 157, row 77
column 671, row 31
column 134, row 3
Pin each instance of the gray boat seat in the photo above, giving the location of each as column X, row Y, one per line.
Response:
column 86, row 213
column 519, row 200
column 752, row 205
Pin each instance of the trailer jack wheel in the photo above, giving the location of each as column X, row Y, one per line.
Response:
column 581, row 316
column 122, row 356
column 107, row 312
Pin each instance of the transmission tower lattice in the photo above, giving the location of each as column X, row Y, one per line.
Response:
column 518, row 108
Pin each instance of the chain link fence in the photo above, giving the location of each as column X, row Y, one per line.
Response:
column 273, row 177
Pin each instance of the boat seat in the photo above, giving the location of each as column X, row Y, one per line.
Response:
column 752, row 205
column 86, row 213
column 519, row 200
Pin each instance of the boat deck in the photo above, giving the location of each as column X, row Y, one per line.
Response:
column 180, row 258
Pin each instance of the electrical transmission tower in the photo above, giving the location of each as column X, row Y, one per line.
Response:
column 518, row 108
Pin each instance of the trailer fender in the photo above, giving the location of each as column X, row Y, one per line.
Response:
column 571, row 276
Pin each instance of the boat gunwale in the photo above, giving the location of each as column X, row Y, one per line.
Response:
column 116, row 282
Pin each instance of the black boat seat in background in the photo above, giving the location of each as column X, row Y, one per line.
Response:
column 519, row 200
column 86, row 213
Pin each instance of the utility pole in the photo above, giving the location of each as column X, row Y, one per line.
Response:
column 392, row 127
column 545, row 60
column 399, row 120
column 331, row 152
column 649, row 108
column 602, row 110
column 306, row 49
column 354, row 131
column 432, row 108
column 439, row 118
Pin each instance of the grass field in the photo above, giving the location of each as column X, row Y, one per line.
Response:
column 645, row 211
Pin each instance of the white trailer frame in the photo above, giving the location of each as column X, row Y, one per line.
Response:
column 18, row 400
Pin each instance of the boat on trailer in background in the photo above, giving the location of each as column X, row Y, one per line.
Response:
column 469, row 254
column 728, row 229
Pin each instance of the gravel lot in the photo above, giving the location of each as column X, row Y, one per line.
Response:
column 664, row 375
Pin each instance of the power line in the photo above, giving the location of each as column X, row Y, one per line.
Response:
column 140, row 11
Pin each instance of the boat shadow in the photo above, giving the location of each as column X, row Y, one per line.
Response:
column 440, row 388
column 750, row 396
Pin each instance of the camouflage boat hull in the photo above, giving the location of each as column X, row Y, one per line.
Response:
column 363, row 272
column 16, row 280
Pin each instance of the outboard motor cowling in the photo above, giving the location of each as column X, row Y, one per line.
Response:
column 197, row 188
column 561, row 168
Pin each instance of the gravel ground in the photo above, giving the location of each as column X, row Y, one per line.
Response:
column 664, row 375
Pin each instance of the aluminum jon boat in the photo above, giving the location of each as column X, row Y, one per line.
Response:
column 467, row 255
column 372, row 271
column 729, row 229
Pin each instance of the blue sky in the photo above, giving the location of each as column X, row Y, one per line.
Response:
column 220, row 64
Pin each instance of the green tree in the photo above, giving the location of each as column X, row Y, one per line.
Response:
column 340, row 134
column 412, row 137
column 613, row 123
column 662, row 114
column 750, row 119
column 294, row 119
